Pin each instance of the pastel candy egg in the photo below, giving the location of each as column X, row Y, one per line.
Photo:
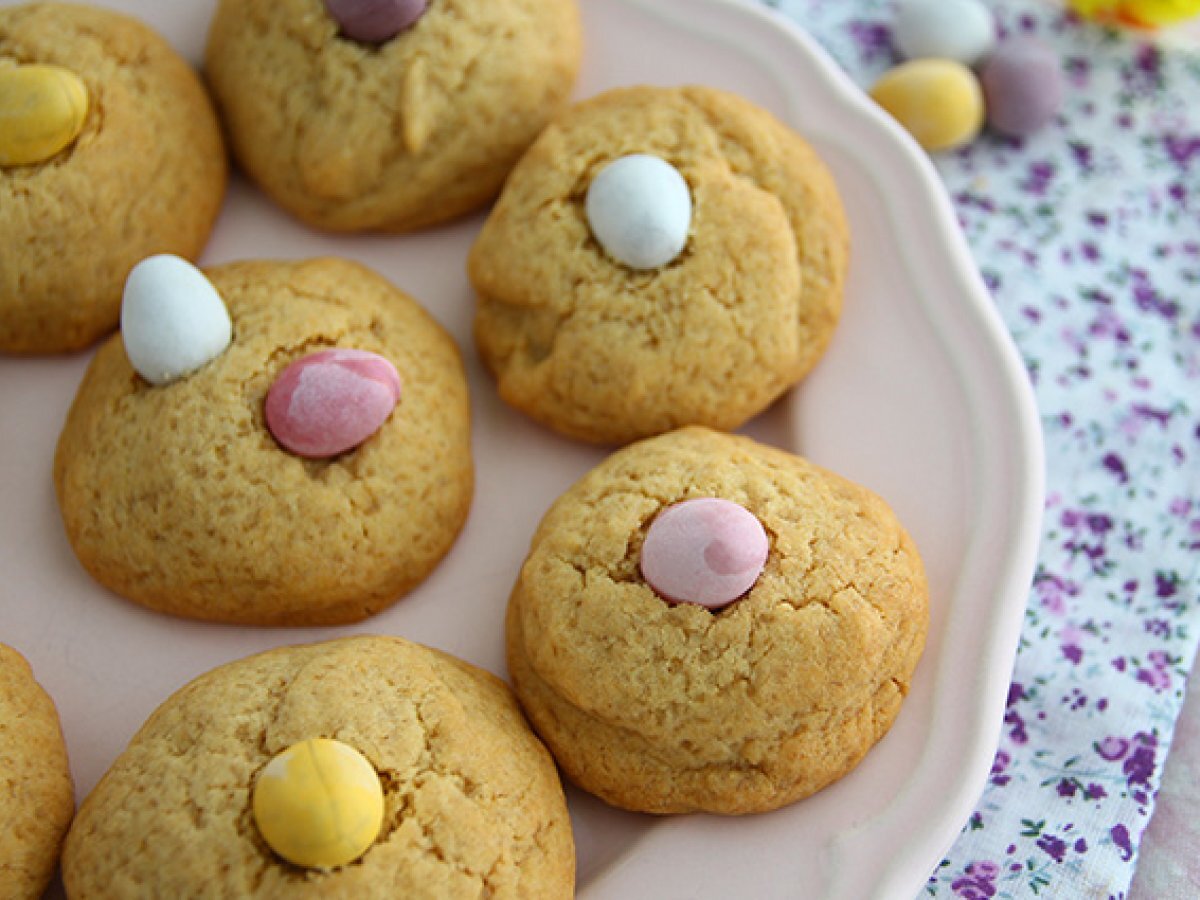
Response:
column 938, row 101
column 42, row 111
column 1154, row 13
column 173, row 321
column 375, row 21
column 961, row 30
column 706, row 551
column 1023, row 84
column 318, row 804
column 331, row 401
column 1141, row 13
column 640, row 210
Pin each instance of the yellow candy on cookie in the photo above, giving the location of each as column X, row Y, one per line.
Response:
column 938, row 101
column 42, row 111
column 319, row 804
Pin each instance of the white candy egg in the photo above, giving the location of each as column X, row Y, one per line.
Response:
column 961, row 30
column 173, row 320
column 640, row 209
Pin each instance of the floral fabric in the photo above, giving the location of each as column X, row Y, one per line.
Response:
column 1088, row 235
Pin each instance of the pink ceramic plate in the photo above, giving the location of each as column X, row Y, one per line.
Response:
column 921, row 397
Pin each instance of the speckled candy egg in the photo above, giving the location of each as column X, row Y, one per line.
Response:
column 961, row 30
column 1023, row 85
column 938, row 101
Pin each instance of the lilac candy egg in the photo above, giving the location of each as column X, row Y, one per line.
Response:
column 375, row 21
column 1023, row 86
column 706, row 551
column 330, row 402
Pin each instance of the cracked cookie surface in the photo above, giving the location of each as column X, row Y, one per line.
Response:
column 36, row 796
column 179, row 498
column 396, row 136
column 668, row 709
column 146, row 175
column 604, row 353
column 473, row 804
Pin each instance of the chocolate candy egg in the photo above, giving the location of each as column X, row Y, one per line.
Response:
column 961, row 30
column 173, row 321
column 318, row 804
column 706, row 551
column 42, row 111
column 1023, row 84
column 331, row 401
column 375, row 21
column 640, row 210
column 938, row 101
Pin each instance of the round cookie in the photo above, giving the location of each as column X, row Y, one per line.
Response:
column 179, row 497
column 393, row 136
column 146, row 175
column 36, row 797
column 472, row 802
column 671, row 708
column 606, row 353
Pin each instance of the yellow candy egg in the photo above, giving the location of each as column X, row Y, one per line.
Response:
column 319, row 804
column 938, row 101
column 42, row 111
column 1145, row 13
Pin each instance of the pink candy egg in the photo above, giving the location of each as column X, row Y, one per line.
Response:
column 706, row 551
column 329, row 402
column 1023, row 85
column 375, row 21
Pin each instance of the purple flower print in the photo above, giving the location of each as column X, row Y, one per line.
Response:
column 1139, row 766
column 1157, row 674
column 978, row 881
column 874, row 42
column 1182, row 148
column 999, row 764
column 1112, row 748
column 1120, row 837
column 1054, row 847
column 1116, row 466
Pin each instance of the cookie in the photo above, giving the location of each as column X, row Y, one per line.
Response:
column 179, row 497
column 36, row 797
column 392, row 134
column 145, row 173
column 671, row 707
column 605, row 352
column 472, row 803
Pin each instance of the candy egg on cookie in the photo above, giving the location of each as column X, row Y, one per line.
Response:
column 173, row 321
column 42, row 111
column 258, row 465
column 110, row 152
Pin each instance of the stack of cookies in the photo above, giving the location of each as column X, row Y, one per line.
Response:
column 703, row 622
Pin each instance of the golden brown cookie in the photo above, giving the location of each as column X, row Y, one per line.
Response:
column 36, row 797
column 672, row 708
column 473, row 805
column 146, row 175
column 179, row 498
column 396, row 136
column 606, row 353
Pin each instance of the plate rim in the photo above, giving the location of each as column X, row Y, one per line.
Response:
column 1016, row 515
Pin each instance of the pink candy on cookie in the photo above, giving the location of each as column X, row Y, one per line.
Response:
column 375, row 21
column 706, row 551
column 330, row 402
